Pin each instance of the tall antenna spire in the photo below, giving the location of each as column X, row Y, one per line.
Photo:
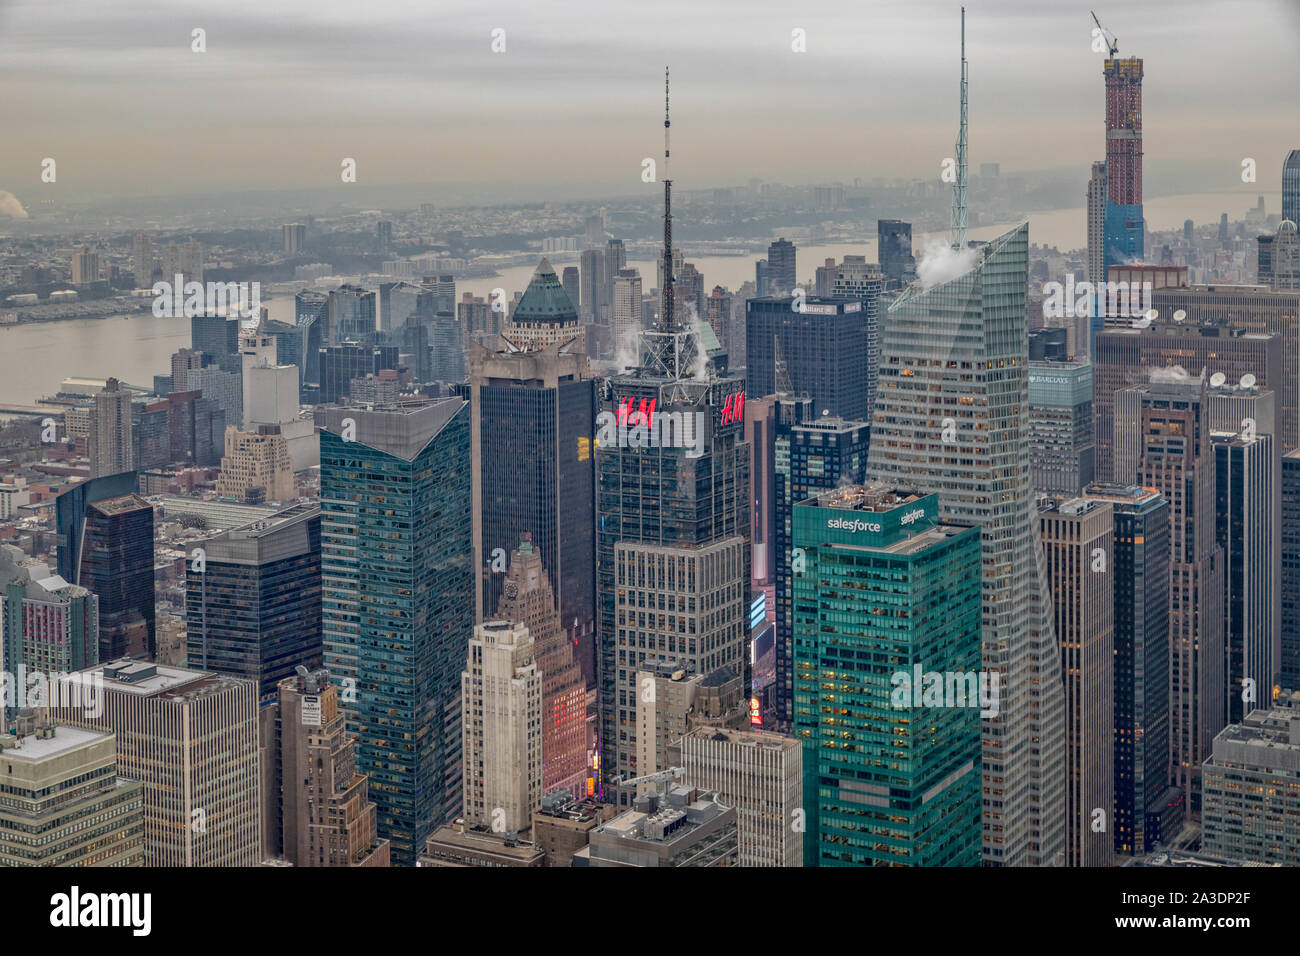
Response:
column 958, row 229
column 666, row 311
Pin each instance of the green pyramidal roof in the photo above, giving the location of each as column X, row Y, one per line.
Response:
column 545, row 299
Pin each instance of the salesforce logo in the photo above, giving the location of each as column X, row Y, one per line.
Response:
column 844, row 524
column 912, row 516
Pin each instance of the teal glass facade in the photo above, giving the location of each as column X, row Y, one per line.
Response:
column 397, row 602
column 886, row 782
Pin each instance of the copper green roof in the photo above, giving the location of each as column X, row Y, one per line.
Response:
column 545, row 299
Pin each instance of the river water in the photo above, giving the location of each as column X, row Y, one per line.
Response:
column 35, row 358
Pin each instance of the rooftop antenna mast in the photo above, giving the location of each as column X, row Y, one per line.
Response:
column 666, row 321
column 959, row 187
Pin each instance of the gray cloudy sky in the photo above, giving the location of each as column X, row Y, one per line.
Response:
column 411, row 89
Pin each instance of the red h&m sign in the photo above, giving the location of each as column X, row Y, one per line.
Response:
column 734, row 409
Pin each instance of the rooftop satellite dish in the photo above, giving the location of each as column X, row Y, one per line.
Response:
column 1248, row 381
column 1142, row 323
column 1180, row 315
column 1152, row 314
column 1217, row 379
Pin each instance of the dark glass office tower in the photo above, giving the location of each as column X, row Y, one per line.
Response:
column 1290, row 531
column 218, row 336
column 534, row 477
column 342, row 363
column 311, row 310
column 672, row 538
column 70, row 516
column 1147, row 809
column 397, row 601
column 351, row 315
column 1246, row 520
column 117, row 565
column 823, row 348
column 781, row 272
column 1291, row 187
column 254, row 609
column 894, row 241
column 288, row 344
column 811, row 455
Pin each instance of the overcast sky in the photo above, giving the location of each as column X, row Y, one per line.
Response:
column 413, row 92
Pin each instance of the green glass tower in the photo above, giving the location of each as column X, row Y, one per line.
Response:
column 397, row 601
column 888, row 691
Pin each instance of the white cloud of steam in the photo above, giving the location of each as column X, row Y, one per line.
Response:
column 1172, row 373
column 10, row 206
column 700, row 370
column 941, row 263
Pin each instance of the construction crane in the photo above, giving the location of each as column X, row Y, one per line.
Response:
column 1111, row 40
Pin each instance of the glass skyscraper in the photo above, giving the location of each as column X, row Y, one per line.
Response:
column 952, row 418
column 888, row 599
column 534, row 477
column 397, row 601
column 1145, row 805
column 1291, row 187
column 810, row 456
column 672, row 533
column 254, row 609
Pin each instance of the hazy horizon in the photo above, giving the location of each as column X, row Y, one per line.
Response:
column 416, row 96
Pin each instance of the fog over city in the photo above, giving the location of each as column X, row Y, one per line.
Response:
column 414, row 92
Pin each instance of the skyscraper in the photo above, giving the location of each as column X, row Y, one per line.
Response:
column 1124, row 226
column 191, row 738
column 857, row 279
column 528, row 598
column 761, row 775
column 533, row 470
column 1246, row 474
column 1125, row 357
column 673, row 528
column 46, row 623
column 253, row 606
column 218, row 337
column 544, row 316
column 894, row 242
column 1164, row 427
column 592, row 278
column 352, row 315
column 327, row 816
column 1289, row 531
column 1147, row 811
column 111, row 449
column 66, row 805
column 811, row 455
column 1251, row 310
column 397, row 601
column 1097, row 192
column 1291, row 187
column 142, row 259
column 888, row 594
column 501, row 721
column 117, row 565
column 952, row 418
column 781, row 273
column 823, row 346
column 1061, row 447
column 1077, row 545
